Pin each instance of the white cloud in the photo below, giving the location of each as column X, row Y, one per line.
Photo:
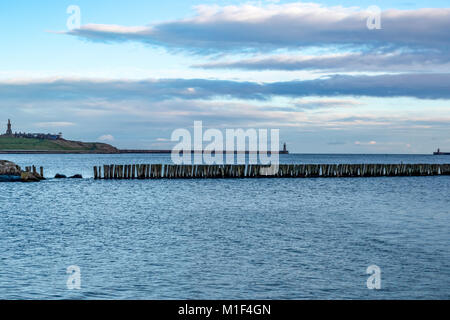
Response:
column 54, row 124
column 106, row 138
column 370, row 143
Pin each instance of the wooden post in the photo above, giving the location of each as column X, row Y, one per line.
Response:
column 95, row 173
column 41, row 171
column 152, row 171
column 189, row 169
column 144, row 170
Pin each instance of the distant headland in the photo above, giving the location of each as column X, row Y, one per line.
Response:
column 47, row 143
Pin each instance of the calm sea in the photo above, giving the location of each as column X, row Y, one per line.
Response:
column 224, row 239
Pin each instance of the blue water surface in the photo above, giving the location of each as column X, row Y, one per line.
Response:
column 224, row 239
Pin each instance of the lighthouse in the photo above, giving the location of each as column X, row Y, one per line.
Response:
column 285, row 150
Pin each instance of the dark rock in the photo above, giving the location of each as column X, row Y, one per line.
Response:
column 60, row 176
column 9, row 171
column 77, row 176
column 30, row 177
column 9, row 168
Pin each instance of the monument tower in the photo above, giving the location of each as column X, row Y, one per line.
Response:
column 9, row 131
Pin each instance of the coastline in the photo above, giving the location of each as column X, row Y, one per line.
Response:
column 53, row 152
column 121, row 152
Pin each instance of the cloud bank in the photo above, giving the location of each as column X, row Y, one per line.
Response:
column 393, row 62
column 409, row 40
column 422, row 86
column 294, row 25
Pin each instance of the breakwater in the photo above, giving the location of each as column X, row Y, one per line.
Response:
column 167, row 171
column 213, row 152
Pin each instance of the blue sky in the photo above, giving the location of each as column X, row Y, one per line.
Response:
column 137, row 70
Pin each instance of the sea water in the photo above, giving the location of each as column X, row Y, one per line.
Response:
column 224, row 239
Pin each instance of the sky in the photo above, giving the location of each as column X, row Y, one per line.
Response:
column 332, row 76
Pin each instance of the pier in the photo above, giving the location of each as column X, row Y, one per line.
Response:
column 168, row 171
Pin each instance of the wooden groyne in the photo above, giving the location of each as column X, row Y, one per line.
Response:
column 168, row 171
column 34, row 170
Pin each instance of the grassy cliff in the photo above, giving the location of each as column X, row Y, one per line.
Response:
column 25, row 144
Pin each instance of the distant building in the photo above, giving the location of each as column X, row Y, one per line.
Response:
column 8, row 130
column 42, row 136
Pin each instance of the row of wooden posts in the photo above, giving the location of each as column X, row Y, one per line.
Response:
column 34, row 170
column 167, row 171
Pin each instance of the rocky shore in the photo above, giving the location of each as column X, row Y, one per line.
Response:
column 11, row 172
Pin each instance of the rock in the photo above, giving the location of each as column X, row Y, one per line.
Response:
column 60, row 176
column 30, row 177
column 9, row 171
column 9, row 168
column 77, row 176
